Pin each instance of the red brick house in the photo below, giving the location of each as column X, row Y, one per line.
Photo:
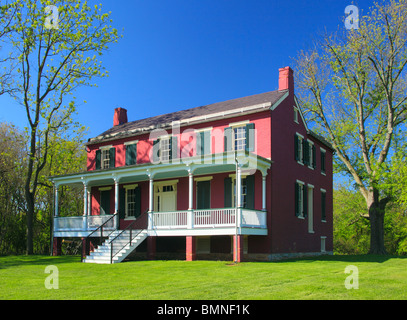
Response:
column 244, row 179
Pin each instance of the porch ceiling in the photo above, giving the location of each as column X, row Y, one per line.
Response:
column 211, row 164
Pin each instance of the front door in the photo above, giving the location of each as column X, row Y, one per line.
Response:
column 166, row 198
column 105, row 202
column 203, row 194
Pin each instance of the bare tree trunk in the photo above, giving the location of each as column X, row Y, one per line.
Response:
column 376, row 209
column 30, row 224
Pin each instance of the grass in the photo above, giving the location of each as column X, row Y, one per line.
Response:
column 23, row 278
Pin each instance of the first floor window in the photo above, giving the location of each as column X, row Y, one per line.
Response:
column 248, row 191
column 301, row 194
column 323, row 205
column 133, row 201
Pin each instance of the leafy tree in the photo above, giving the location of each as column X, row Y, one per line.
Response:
column 353, row 87
column 12, row 201
column 55, row 56
column 7, row 61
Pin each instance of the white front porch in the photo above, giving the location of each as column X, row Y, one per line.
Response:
column 176, row 223
column 168, row 222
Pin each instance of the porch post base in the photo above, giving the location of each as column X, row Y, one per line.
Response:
column 87, row 247
column 238, row 248
column 151, row 247
column 190, row 248
column 56, row 246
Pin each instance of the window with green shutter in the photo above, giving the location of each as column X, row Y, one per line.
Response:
column 240, row 137
column 105, row 158
column 228, row 192
column 131, row 154
column 300, row 198
column 112, row 157
column 323, row 205
column 203, row 142
column 323, row 157
column 250, row 137
column 98, row 158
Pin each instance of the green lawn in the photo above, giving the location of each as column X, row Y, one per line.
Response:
column 23, row 277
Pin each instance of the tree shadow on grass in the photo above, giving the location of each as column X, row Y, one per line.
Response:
column 36, row 260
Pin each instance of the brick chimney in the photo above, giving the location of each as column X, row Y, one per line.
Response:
column 120, row 116
column 286, row 79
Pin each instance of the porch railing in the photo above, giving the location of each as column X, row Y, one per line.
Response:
column 209, row 218
column 184, row 219
column 84, row 223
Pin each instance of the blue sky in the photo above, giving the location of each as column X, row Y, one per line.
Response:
column 181, row 54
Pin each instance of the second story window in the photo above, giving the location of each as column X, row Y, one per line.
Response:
column 299, row 148
column 105, row 157
column 239, row 137
column 323, row 159
column 165, row 149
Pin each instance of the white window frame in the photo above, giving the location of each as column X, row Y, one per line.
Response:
column 235, row 126
column 301, row 200
column 323, row 243
column 127, row 188
column 310, row 154
column 165, row 152
column 244, row 189
column 300, row 149
column 296, row 114
column 323, row 191
column 105, row 156
column 322, row 150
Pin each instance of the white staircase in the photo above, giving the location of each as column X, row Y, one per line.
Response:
column 121, row 247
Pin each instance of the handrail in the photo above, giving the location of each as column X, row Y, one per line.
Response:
column 101, row 234
column 130, row 236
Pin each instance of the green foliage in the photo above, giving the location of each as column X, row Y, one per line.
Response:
column 352, row 227
column 54, row 59
column 352, row 85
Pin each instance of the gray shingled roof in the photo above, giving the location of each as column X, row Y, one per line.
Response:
column 165, row 120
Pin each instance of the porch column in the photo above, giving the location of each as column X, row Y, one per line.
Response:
column 150, row 201
column 116, row 195
column 264, row 176
column 89, row 203
column 190, row 214
column 85, row 206
column 238, row 197
column 85, row 199
column 116, row 202
column 191, row 192
column 190, row 248
column 56, row 200
column 239, row 187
